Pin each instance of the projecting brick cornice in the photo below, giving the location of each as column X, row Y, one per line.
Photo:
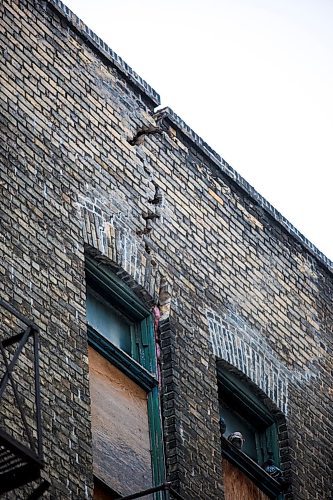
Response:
column 226, row 169
column 98, row 44
column 94, row 40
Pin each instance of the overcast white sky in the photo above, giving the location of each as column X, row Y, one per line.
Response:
column 254, row 78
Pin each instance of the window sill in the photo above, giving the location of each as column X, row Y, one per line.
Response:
column 264, row 481
column 121, row 360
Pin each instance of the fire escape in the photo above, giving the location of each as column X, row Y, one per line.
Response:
column 21, row 455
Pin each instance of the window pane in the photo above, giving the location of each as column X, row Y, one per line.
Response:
column 108, row 321
column 235, row 423
column 121, row 442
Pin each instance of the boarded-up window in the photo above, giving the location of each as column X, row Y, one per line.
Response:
column 237, row 486
column 121, row 445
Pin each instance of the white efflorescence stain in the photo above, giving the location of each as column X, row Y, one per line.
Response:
column 247, row 352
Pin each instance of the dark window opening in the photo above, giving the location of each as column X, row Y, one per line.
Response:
column 108, row 321
column 249, row 440
column 235, row 422
column 103, row 492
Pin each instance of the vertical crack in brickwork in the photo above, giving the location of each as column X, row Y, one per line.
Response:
column 108, row 226
column 70, row 181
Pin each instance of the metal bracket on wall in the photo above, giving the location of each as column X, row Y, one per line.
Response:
column 165, row 487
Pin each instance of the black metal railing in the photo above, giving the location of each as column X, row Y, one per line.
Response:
column 21, row 453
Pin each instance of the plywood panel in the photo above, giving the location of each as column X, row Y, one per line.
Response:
column 237, row 486
column 121, row 445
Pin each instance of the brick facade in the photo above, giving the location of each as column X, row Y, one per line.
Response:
column 233, row 280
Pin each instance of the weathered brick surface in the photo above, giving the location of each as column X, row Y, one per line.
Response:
column 232, row 279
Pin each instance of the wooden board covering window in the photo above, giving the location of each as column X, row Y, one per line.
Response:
column 121, row 445
column 237, row 486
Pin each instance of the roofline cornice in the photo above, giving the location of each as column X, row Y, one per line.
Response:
column 235, row 177
column 98, row 44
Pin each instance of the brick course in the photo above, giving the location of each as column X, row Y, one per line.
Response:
column 233, row 279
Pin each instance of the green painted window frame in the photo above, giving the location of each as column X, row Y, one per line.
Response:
column 141, row 367
column 239, row 396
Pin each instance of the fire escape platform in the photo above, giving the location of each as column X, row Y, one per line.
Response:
column 18, row 465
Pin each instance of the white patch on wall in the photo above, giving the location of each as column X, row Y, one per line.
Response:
column 244, row 349
column 108, row 226
column 234, row 341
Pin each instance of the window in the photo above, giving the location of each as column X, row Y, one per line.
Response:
column 249, row 441
column 109, row 322
column 126, row 423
